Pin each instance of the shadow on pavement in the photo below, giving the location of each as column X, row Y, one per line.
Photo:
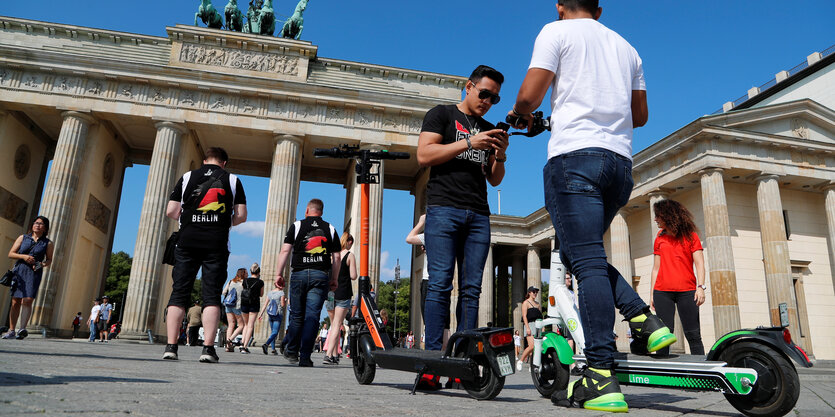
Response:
column 452, row 392
column 8, row 379
column 662, row 402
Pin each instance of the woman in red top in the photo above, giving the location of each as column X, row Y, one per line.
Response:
column 677, row 251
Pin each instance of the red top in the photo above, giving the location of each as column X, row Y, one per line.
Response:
column 676, row 271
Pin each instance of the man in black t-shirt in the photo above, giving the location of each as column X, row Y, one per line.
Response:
column 315, row 248
column 207, row 202
column 463, row 150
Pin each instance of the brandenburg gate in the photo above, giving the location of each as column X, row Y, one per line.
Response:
column 94, row 102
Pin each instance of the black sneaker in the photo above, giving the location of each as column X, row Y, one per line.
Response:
column 170, row 352
column 307, row 363
column 21, row 334
column 329, row 360
column 598, row 389
column 291, row 357
column 648, row 330
column 274, row 352
column 281, row 347
column 264, row 348
column 209, row 355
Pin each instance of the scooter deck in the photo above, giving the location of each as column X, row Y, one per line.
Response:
column 681, row 371
column 426, row 361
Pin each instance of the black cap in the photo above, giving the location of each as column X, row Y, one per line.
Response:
column 104, row 296
column 533, row 289
column 97, row 299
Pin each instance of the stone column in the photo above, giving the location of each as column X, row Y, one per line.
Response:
column 502, row 297
column 656, row 196
column 485, row 302
column 517, row 289
column 534, row 270
column 830, row 222
column 778, row 273
column 282, row 200
column 622, row 261
column 146, row 270
column 375, row 226
column 719, row 251
column 59, row 198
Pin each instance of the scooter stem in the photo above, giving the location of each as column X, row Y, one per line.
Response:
column 364, row 189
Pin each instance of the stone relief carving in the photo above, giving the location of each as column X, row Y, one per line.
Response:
column 415, row 125
column 246, row 106
column 12, row 207
column 390, row 123
column 64, row 84
column 95, row 88
column 188, row 98
column 126, row 91
column 22, row 161
column 363, row 119
column 4, row 76
column 32, row 82
column 97, row 214
column 219, row 102
column 800, row 128
column 107, row 170
column 158, row 96
column 232, row 58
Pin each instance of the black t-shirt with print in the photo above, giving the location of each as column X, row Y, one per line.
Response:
column 205, row 224
column 459, row 182
column 314, row 241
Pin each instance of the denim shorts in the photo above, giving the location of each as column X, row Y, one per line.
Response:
column 346, row 303
column 233, row 310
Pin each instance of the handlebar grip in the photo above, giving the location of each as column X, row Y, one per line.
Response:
column 326, row 152
column 395, row 155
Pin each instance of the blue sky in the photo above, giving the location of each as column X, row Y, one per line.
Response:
column 697, row 55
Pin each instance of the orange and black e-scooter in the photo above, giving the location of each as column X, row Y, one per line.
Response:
column 479, row 358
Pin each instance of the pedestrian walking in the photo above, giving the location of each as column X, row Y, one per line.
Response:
column 276, row 301
column 232, row 295
column 207, row 202
column 105, row 311
column 76, row 324
column 678, row 252
column 32, row 252
column 314, row 245
column 342, row 298
column 533, row 312
column 93, row 320
column 251, row 293
column 194, row 317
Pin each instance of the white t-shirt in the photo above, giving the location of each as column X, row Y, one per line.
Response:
column 591, row 98
column 324, row 333
column 517, row 340
column 94, row 313
column 425, row 258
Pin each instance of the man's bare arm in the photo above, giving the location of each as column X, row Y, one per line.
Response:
column 640, row 111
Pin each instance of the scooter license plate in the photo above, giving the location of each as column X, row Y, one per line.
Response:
column 504, row 364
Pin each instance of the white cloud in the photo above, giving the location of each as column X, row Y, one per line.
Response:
column 252, row 229
column 240, row 261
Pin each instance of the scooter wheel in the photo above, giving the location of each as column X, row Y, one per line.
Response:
column 488, row 385
column 364, row 366
column 777, row 387
column 551, row 376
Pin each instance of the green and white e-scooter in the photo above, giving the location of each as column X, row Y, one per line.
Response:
column 751, row 367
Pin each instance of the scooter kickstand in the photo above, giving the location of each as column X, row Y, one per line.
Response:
column 417, row 381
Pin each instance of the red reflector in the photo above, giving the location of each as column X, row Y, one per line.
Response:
column 501, row 339
column 551, row 300
column 787, row 336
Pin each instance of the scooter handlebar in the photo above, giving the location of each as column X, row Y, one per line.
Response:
column 355, row 152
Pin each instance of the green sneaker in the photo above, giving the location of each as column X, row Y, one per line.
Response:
column 648, row 329
column 598, row 389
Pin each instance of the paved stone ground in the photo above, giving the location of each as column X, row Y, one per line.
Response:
column 56, row 376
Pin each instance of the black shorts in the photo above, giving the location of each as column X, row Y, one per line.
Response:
column 188, row 262
column 247, row 308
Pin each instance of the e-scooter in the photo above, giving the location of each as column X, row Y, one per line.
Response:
column 480, row 358
column 751, row 367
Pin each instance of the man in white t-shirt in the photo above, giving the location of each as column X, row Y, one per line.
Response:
column 93, row 320
column 598, row 98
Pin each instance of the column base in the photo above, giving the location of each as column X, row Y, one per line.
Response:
column 134, row 336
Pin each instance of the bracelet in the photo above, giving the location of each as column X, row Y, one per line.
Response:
column 469, row 144
column 501, row 160
column 515, row 113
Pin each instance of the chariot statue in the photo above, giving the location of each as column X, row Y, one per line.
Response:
column 234, row 17
column 292, row 28
column 209, row 15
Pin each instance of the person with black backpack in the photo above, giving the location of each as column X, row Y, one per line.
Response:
column 207, row 202
column 253, row 290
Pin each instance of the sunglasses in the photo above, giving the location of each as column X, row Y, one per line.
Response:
column 484, row 94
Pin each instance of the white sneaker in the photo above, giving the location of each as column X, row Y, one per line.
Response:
column 519, row 365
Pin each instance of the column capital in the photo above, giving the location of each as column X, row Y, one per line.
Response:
column 180, row 128
column 710, row 170
column 281, row 137
column 85, row 117
column 765, row 176
column 533, row 248
column 828, row 186
column 659, row 192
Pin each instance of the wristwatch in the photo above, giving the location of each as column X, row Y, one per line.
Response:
column 703, row 286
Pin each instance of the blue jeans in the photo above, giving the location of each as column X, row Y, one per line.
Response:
column 453, row 235
column 275, row 325
column 308, row 291
column 93, row 331
column 584, row 190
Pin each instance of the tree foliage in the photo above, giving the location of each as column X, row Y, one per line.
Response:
column 116, row 282
column 386, row 300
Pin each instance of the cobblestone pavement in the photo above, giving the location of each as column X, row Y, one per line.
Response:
column 56, row 376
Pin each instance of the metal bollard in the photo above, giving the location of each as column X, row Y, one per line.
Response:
column 150, row 337
column 43, row 332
